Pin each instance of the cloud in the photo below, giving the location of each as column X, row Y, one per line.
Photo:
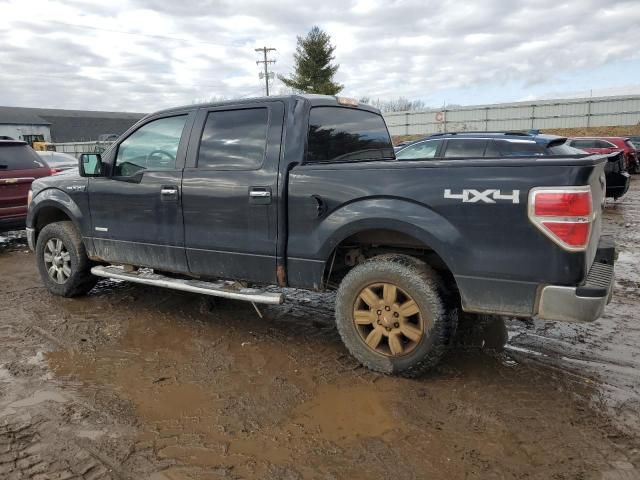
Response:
column 142, row 55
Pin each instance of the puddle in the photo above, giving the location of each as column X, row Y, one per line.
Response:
column 347, row 412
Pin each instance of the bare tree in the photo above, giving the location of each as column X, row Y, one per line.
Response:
column 400, row 104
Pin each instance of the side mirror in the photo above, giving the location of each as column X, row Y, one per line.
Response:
column 90, row 165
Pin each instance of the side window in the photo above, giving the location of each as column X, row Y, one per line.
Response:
column 234, row 139
column 426, row 149
column 465, row 147
column 154, row 146
column 583, row 144
column 19, row 157
column 604, row 144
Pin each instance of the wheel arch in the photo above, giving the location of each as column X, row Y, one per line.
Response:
column 50, row 206
column 395, row 237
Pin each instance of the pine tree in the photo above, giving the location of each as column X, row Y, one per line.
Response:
column 313, row 71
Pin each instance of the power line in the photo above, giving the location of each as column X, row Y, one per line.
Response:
column 266, row 62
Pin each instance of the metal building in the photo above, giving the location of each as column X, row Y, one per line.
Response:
column 55, row 125
column 19, row 124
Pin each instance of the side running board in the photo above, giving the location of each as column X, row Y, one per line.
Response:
column 222, row 288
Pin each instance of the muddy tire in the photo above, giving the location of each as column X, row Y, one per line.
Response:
column 62, row 260
column 391, row 314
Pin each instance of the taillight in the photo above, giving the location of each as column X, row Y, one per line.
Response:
column 563, row 214
column 54, row 171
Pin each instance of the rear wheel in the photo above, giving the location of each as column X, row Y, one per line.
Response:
column 391, row 315
column 62, row 260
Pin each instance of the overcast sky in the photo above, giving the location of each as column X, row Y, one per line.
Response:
column 142, row 55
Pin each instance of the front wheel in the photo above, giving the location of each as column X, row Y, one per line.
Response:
column 62, row 260
column 391, row 315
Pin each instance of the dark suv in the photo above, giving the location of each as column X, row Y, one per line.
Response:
column 19, row 166
column 510, row 144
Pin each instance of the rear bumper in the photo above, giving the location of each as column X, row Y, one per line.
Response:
column 586, row 302
column 617, row 184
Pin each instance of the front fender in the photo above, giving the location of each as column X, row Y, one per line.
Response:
column 58, row 199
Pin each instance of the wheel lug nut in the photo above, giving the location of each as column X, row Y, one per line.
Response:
column 388, row 329
column 379, row 312
column 396, row 314
column 387, row 308
column 396, row 324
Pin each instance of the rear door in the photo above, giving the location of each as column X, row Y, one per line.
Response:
column 136, row 213
column 229, row 187
column 19, row 167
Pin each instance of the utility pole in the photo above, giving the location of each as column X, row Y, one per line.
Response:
column 266, row 62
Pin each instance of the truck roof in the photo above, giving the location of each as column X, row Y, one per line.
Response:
column 312, row 99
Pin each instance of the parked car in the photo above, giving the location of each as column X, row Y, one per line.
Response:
column 635, row 140
column 58, row 161
column 305, row 192
column 19, row 166
column 511, row 144
column 610, row 145
column 401, row 145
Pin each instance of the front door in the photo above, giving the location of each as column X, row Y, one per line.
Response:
column 229, row 192
column 136, row 211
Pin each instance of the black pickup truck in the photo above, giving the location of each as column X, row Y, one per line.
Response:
column 229, row 199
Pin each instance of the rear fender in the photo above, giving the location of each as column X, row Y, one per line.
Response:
column 432, row 230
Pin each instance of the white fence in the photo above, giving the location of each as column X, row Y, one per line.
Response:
column 540, row 114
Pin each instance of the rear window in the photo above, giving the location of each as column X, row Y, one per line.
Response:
column 564, row 149
column 519, row 148
column 338, row 134
column 19, row 157
column 465, row 147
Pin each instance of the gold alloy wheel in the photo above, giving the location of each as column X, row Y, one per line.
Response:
column 388, row 319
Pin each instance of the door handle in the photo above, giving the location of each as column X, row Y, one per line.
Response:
column 260, row 195
column 168, row 192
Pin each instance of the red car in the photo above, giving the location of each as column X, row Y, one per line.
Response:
column 610, row 145
column 19, row 166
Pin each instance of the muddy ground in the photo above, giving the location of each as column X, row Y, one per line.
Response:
column 133, row 382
